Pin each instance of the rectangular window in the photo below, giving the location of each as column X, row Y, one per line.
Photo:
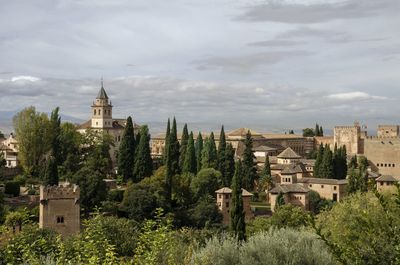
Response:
column 227, row 204
column 220, row 196
column 322, row 186
column 334, row 187
column 226, row 196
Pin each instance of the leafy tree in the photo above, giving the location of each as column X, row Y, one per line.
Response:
column 50, row 174
column 205, row 213
column 362, row 230
column 32, row 133
column 289, row 215
column 1, row 134
column 3, row 163
column 183, row 147
column 126, row 152
column 308, row 132
column 340, row 162
column 71, row 142
column 237, row 221
column 229, row 165
column 209, row 153
column 190, row 163
column 357, row 180
column 143, row 198
column 317, row 204
column 291, row 132
column 144, row 163
column 172, row 160
column 363, row 163
column 207, row 181
column 199, row 150
column 249, row 166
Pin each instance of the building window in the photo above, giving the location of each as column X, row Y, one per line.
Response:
column 60, row 219
column 226, row 196
column 119, row 138
column 334, row 187
column 392, row 165
column 220, row 196
column 322, row 186
column 94, row 112
column 310, row 185
column 97, row 123
column 227, row 204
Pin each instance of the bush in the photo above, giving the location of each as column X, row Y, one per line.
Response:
column 274, row 247
column 115, row 195
column 12, row 188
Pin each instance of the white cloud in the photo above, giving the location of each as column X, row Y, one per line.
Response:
column 24, row 78
column 356, row 95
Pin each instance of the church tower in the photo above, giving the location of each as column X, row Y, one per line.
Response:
column 102, row 110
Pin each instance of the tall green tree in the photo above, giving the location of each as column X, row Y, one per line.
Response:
column 209, row 153
column 53, row 157
column 318, row 161
column 280, row 201
column 237, row 222
column 221, row 154
column 229, row 165
column 32, row 132
column 144, row 163
column 308, row 132
column 190, row 163
column 183, row 147
column 266, row 182
column 249, row 166
column 316, row 131
column 326, row 170
column 71, row 150
column 172, row 160
column 199, row 150
column 353, row 162
column 126, row 152
column 166, row 142
column 321, row 131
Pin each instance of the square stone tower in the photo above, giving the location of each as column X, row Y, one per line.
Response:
column 59, row 209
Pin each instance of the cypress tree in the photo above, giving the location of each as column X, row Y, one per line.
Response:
column 199, row 149
column 184, row 143
column 221, row 154
column 280, row 200
column 144, row 163
column 266, row 174
column 172, row 160
column 249, row 166
column 344, row 162
column 336, row 162
column 166, row 142
column 237, row 222
column 318, row 161
column 353, row 162
column 51, row 170
column 327, row 165
column 190, row 163
column 209, row 153
column 321, row 131
column 316, row 130
column 229, row 166
column 137, row 141
column 126, row 151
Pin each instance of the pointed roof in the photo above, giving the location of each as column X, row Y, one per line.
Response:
column 224, row 190
column 289, row 188
column 288, row 153
column 102, row 93
column 243, row 132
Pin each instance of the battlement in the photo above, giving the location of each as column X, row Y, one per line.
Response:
column 346, row 127
column 59, row 192
column 383, row 138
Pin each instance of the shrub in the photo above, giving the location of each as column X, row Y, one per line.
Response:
column 12, row 188
column 273, row 247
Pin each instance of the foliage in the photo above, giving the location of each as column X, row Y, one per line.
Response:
column 308, row 132
column 12, row 187
column 183, row 146
column 265, row 182
column 221, row 156
column 126, row 152
column 280, row 200
column 330, row 164
column 229, row 165
column 32, row 132
column 70, row 150
column 199, row 150
column 362, row 229
column 289, row 215
column 143, row 198
column 209, row 157
column 205, row 213
column 172, row 161
column 237, row 224
column 283, row 246
column 207, row 181
column 317, row 204
column 190, row 163
column 143, row 162
column 357, row 180
column 249, row 166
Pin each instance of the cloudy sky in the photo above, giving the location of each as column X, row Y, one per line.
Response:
column 264, row 64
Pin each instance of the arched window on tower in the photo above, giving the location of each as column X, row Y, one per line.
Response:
column 94, row 111
column 99, row 111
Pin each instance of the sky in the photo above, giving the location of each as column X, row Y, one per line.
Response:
column 270, row 65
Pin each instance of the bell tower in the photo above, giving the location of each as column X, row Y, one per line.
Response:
column 102, row 110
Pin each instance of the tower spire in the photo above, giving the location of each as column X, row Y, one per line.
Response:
column 102, row 82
